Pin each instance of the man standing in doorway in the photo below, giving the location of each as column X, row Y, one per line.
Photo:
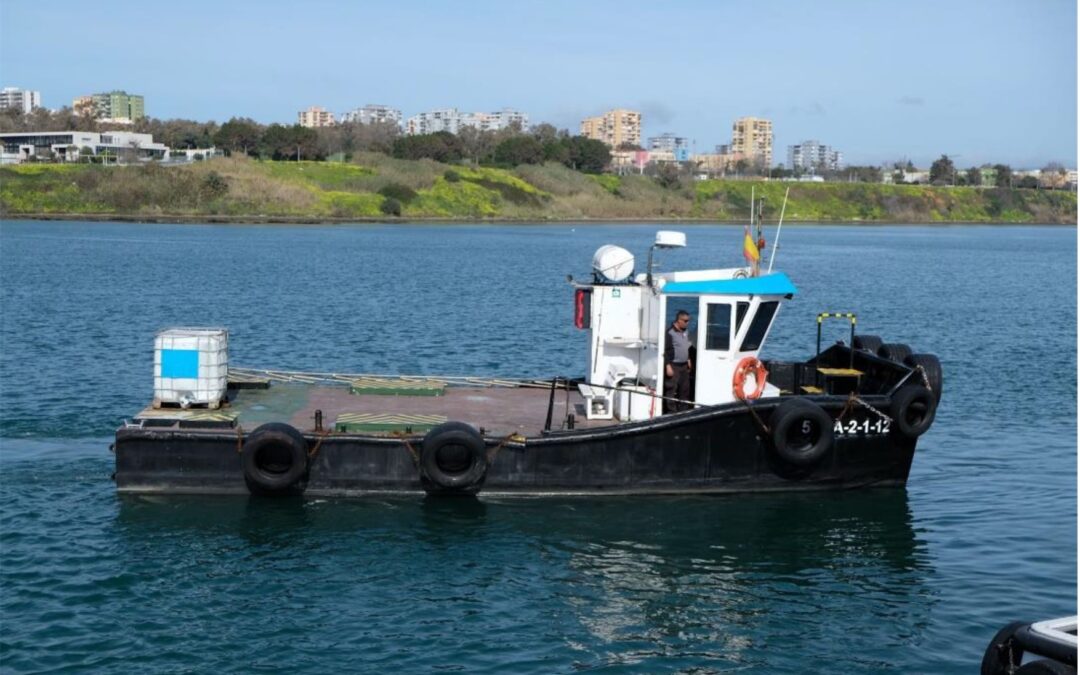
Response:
column 677, row 364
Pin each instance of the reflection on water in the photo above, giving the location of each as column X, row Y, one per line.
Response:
column 711, row 581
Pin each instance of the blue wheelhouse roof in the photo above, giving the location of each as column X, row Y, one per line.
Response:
column 771, row 284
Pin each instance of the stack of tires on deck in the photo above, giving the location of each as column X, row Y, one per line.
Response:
column 802, row 432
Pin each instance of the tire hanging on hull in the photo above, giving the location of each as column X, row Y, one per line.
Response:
column 912, row 409
column 453, row 460
column 802, row 432
column 275, row 460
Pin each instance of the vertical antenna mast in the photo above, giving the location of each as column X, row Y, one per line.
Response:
column 776, row 241
column 752, row 201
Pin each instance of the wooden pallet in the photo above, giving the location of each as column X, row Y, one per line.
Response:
column 158, row 404
column 192, row 418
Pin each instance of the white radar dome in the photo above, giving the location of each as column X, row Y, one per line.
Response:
column 613, row 263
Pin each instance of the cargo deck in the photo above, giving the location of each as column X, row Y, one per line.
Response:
column 389, row 406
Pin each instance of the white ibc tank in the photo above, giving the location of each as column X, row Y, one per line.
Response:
column 614, row 263
column 191, row 366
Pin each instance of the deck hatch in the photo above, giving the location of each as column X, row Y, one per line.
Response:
column 386, row 423
column 374, row 386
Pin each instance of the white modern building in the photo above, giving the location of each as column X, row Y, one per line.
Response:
column 19, row 99
column 373, row 114
column 449, row 119
column 68, row 146
column 193, row 154
column 811, row 155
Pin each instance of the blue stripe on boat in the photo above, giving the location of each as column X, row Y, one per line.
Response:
column 772, row 284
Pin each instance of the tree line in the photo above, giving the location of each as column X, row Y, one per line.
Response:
column 244, row 136
column 944, row 172
column 507, row 147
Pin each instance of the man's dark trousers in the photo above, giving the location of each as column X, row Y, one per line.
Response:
column 677, row 386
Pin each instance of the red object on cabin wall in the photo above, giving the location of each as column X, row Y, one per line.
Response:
column 582, row 307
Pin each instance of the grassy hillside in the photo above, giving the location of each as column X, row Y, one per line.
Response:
column 378, row 187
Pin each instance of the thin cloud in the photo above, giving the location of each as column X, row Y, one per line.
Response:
column 911, row 100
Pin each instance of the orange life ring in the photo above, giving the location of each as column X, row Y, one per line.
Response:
column 748, row 364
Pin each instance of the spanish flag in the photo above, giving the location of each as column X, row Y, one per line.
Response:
column 750, row 250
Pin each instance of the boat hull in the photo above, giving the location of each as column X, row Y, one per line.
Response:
column 711, row 450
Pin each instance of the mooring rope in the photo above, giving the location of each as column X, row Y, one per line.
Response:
column 318, row 444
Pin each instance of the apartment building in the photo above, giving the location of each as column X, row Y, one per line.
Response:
column 752, row 137
column 83, row 106
column 494, row 121
column 114, row 106
column 19, row 99
column 678, row 146
column 811, row 156
column 453, row 121
column 316, row 117
column 717, row 163
column 433, row 121
column 616, row 128
column 373, row 114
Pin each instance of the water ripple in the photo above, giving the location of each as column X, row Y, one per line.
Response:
column 871, row 581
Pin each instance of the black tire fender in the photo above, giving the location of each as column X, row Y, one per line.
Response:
column 1046, row 667
column 453, row 459
column 894, row 351
column 802, row 432
column 1003, row 654
column 912, row 410
column 274, row 458
column 932, row 367
column 867, row 343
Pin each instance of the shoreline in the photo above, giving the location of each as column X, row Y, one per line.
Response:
column 384, row 190
column 331, row 220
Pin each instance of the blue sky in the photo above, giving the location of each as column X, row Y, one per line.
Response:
column 982, row 80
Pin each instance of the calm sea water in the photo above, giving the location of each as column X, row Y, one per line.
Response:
column 907, row 581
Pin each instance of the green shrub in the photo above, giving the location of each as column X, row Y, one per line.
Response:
column 452, row 176
column 391, row 207
column 402, row 193
column 215, row 185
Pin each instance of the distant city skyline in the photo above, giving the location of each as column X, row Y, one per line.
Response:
column 992, row 81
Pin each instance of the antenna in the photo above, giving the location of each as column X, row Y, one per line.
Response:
column 753, row 199
column 776, row 241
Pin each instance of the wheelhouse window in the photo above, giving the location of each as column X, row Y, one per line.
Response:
column 759, row 326
column 740, row 314
column 718, row 327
